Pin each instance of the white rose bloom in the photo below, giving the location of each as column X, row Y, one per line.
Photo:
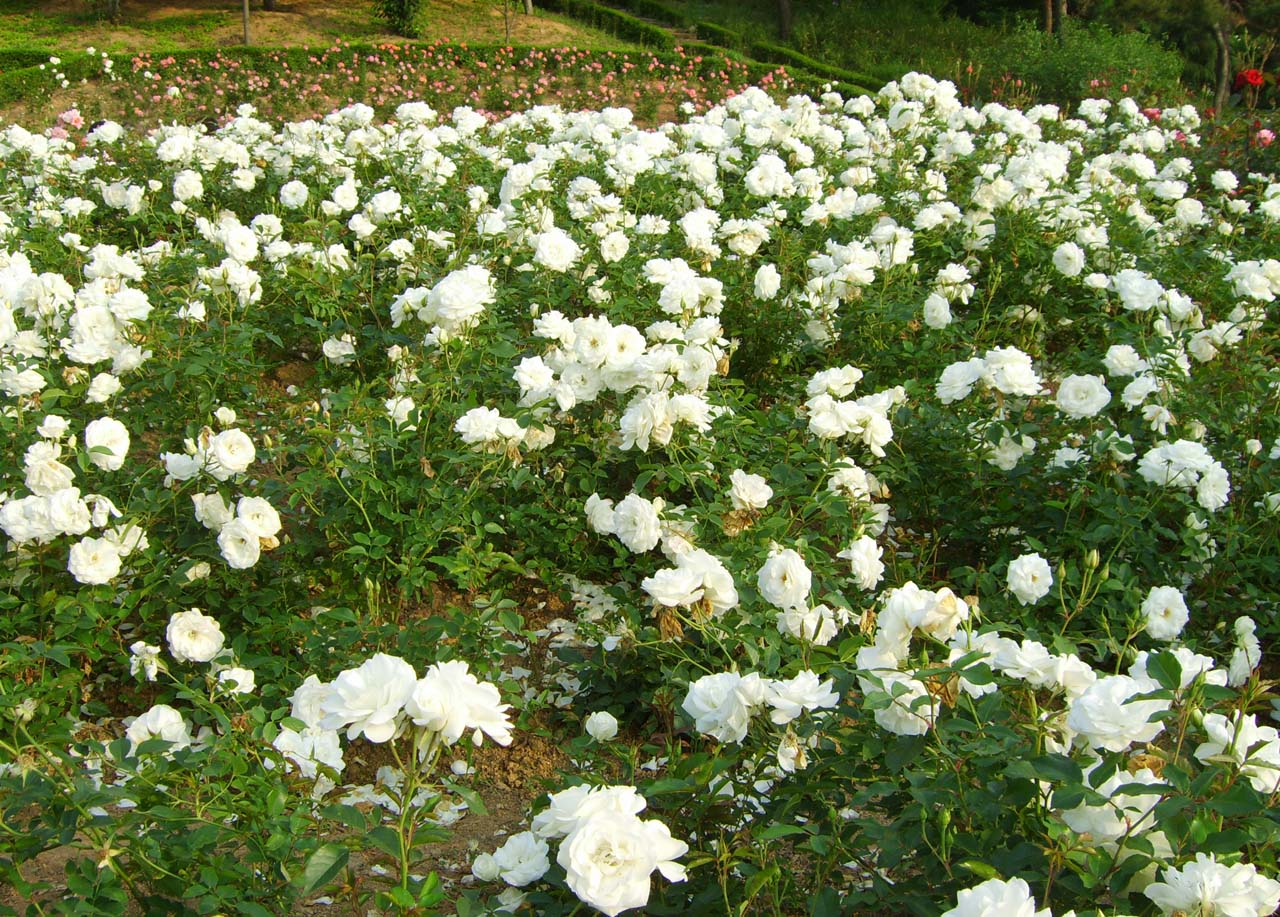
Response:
column 450, row 700
column 339, row 351
column 636, row 523
column 1068, row 258
column 794, row 696
column 188, row 185
column 1009, row 370
column 94, row 561
column 230, row 452
column 718, row 588
column 674, row 588
column 305, row 702
column 258, row 516
column 1212, row 889
column 555, row 250
column 237, row 680
column 569, row 808
column 721, row 705
column 1082, row 396
column 864, row 556
column 1105, row 717
column 109, row 434
column 294, row 195
column 609, row 858
column 601, row 726
column 212, row 511
column 1123, row 360
column 784, row 580
column 1029, row 578
column 101, row 388
column 522, row 859
column 767, row 282
column 368, row 700
column 600, row 515
column 997, row 898
column 937, row 311
column 144, row 659
column 1254, row 749
column 240, row 546
column 485, row 868
column 193, row 636
column 749, row 491
column 1165, row 611
column 160, row 722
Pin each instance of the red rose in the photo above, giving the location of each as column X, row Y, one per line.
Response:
column 1250, row 77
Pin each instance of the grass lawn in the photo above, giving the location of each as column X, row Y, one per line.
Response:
column 72, row 25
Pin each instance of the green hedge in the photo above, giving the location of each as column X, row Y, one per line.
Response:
column 719, row 35
column 655, row 9
column 778, row 54
column 623, row 25
column 20, row 58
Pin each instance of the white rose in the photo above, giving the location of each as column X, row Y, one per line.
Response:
column 212, row 511
column 1165, row 612
column 160, row 722
column 1105, row 717
column 368, row 700
column 93, row 561
column 522, row 859
column 1082, row 396
column 1068, row 258
column 230, row 452
column 555, row 251
column 258, row 516
column 784, row 580
column 1029, row 578
column 609, row 858
column 601, row 726
column 237, row 680
column 636, row 523
column 240, row 546
column 674, row 588
column 193, row 636
column 294, row 195
column 749, row 491
column 767, row 282
column 109, row 434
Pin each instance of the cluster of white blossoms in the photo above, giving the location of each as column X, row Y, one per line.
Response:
column 721, row 706
column 56, row 507
column 608, row 853
column 612, row 265
column 833, row 416
column 379, row 698
column 1187, row 465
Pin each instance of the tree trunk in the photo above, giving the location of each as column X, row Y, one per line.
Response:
column 269, row 6
column 1059, row 15
column 784, row 18
column 1223, row 38
column 1046, row 16
column 246, row 22
column 528, row 7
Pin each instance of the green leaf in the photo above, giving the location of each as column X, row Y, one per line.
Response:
column 470, row 796
column 1240, row 799
column 323, row 866
column 346, row 815
column 756, row 883
column 981, row 870
column 1165, row 668
column 777, row 831
column 385, row 840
